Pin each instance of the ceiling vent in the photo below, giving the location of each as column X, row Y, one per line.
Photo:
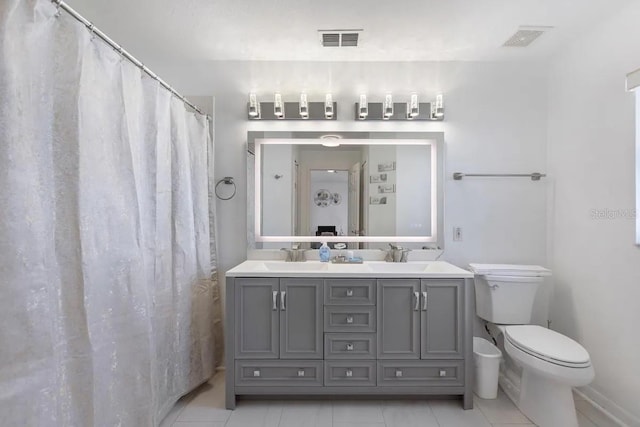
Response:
column 525, row 36
column 339, row 38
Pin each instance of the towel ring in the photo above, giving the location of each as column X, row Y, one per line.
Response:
column 229, row 181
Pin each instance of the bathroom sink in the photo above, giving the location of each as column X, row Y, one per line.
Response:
column 397, row 267
column 295, row 266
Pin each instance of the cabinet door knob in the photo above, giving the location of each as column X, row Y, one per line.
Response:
column 301, row 372
column 349, row 373
column 349, row 292
column 256, row 372
column 349, row 347
column 443, row 373
column 398, row 373
column 349, row 319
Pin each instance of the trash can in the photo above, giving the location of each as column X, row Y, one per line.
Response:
column 486, row 359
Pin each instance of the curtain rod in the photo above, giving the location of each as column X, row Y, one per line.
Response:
column 115, row 46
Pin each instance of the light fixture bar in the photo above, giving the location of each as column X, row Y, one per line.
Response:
column 401, row 111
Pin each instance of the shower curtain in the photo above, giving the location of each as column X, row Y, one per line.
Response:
column 107, row 267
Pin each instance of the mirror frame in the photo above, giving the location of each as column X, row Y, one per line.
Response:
column 256, row 140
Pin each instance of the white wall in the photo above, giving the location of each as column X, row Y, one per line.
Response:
column 591, row 160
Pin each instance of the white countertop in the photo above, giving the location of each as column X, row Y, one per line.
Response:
column 380, row 269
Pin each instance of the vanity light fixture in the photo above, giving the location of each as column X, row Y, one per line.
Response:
column 278, row 106
column 388, row 107
column 254, row 106
column 363, row 107
column 413, row 109
column 439, row 113
column 328, row 106
column 304, row 106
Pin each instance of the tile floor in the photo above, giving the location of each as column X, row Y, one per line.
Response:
column 205, row 408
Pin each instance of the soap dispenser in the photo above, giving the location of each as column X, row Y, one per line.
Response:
column 324, row 252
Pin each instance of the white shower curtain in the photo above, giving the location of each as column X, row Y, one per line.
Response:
column 106, row 274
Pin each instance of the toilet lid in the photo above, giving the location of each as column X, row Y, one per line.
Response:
column 547, row 345
column 510, row 270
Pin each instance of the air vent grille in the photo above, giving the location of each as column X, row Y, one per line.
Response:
column 339, row 38
column 525, row 36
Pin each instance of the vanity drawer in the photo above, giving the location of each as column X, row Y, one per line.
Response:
column 350, row 292
column 349, row 346
column 278, row 372
column 350, row 373
column 422, row 373
column 357, row 318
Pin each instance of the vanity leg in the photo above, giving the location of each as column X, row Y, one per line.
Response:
column 467, row 400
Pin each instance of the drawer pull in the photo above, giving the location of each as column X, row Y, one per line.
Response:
column 443, row 373
column 301, row 372
column 275, row 301
column 256, row 372
column 416, row 295
column 398, row 373
column 424, row 301
column 349, row 292
column 349, row 319
column 282, row 300
column 349, row 347
column 349, row 373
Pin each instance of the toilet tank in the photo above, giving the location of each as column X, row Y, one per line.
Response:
column 506, row 299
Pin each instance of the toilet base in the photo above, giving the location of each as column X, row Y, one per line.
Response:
column 546, row 402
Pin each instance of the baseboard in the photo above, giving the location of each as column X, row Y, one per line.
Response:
column 607, row 407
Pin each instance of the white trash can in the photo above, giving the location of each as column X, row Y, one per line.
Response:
column 486, row 359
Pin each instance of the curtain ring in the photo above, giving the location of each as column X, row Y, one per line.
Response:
column 229, row 181
column 91, row 28
column 58, row 12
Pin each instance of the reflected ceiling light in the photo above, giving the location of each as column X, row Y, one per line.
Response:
column 254, row 106
column 328, row 106
column 330, row 140
column 278, row 106
column 413, row 109
column 439, row 106
column 388, row 107
column 304, row 106
column 331, row 170
column 363, row 107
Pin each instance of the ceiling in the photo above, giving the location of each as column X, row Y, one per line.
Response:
column 286, row 30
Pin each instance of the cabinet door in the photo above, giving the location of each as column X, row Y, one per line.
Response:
column 398, row 319
column 442, row 319
column 301, row 319
column 256, row 318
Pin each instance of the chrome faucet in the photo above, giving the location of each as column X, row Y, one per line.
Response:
column 396, row 253
column 295, row 254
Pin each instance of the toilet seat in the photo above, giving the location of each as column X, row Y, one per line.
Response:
column 548, row 345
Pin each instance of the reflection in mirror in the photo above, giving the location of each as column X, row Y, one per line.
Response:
column 358, row 192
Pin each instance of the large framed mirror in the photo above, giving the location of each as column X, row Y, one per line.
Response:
column 361, row 188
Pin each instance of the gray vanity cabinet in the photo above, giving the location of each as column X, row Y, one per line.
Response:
column 257, row 318
column 442, row 319
column 420, row 319
column 348, row 336
column 278, row 318
column 398, row 319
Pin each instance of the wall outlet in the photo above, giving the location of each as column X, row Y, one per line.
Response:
column 457, row 234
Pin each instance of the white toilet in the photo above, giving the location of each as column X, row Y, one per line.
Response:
column 541, row 366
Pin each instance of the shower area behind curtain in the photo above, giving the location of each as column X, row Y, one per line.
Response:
column 107, row 267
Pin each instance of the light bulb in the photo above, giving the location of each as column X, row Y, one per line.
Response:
column 278, row 107
column 363, row 107
column 439, row 106
column 304, row 106
column 388, row 106
column 254, row 107
column 328, row 106
column 414, row 107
